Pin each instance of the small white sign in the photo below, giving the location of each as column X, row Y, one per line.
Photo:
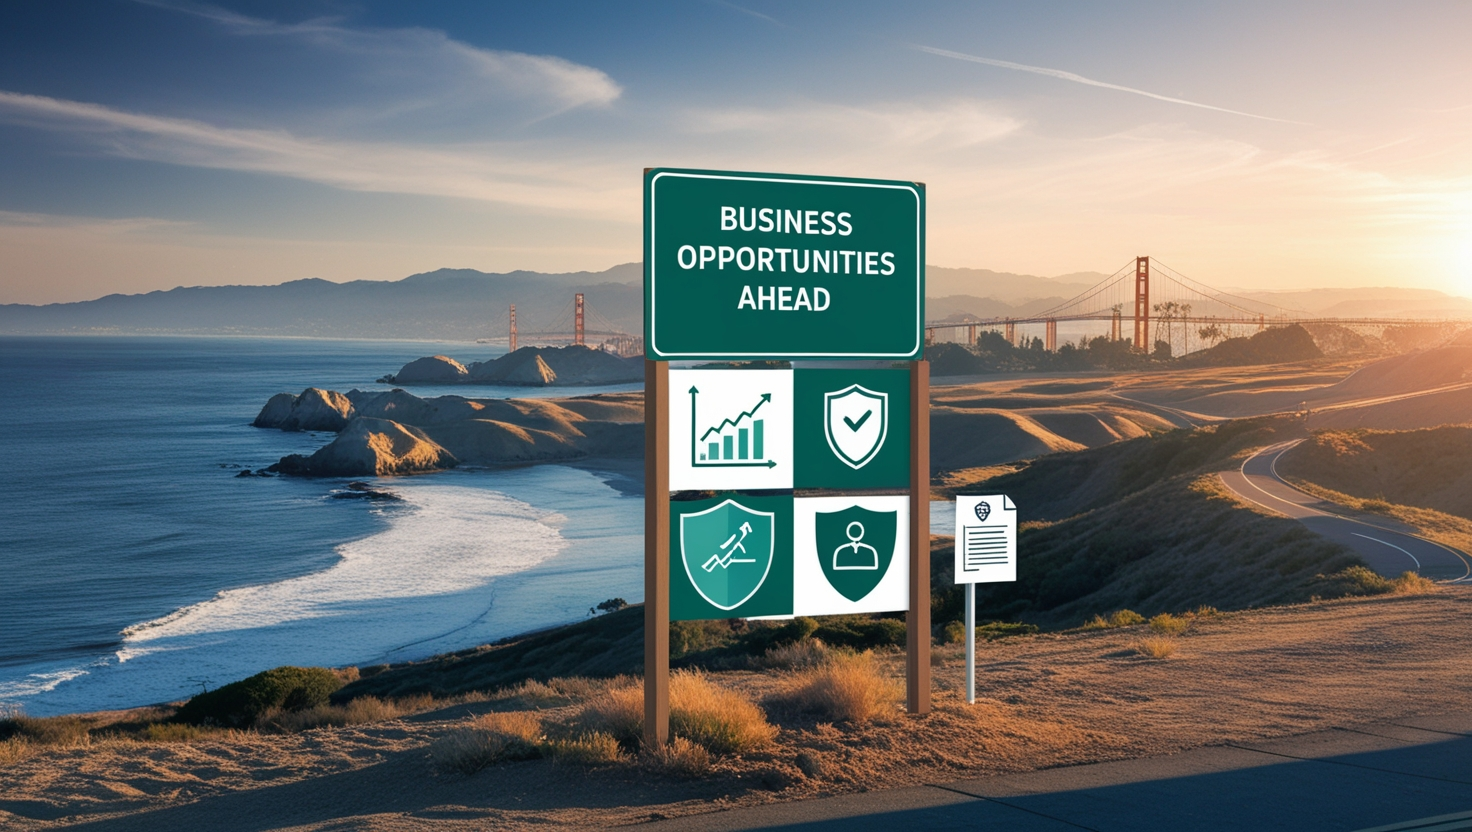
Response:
column 986, row 540
column 851, row 555
column 730, row 429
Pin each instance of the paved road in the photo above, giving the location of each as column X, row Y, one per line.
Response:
column 1388, row 552
column 1413, row 774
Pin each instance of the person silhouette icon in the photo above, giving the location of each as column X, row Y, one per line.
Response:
column 855, row 554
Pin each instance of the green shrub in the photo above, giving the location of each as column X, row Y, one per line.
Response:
column 1169, row 625
column 240, row 704
column 955, row 631
column 1118, row 618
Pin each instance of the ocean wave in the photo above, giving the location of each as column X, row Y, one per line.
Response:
column 446, row 539
column 37, row 683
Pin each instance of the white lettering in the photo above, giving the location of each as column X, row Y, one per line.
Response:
column 725, row 254
column 742, row 214
column 821, row 259
column 746, row 299
column 763, row 298
column 828, row 227
column 782, row 258
column 810, row 222
column 871, row 262
column 763, row 259
column 767, row 223
column 707, row 254
column 844, row 229
column 728, row 218
column 802, row 300
column 887, row 258
column 804, row 267
column 846, row 255
column 820, row 299
column 792, row 221
column 680, row 257
column 784, row 298
column 750, row 258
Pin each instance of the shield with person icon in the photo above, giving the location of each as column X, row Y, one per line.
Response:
column 855, row 548
column 727, row 550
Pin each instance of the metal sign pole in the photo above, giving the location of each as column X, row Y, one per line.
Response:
column 656, row 553
column 917, row 620
column 970, row 643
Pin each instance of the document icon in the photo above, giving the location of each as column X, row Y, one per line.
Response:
column 986, row 539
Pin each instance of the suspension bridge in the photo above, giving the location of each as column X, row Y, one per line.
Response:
column 571, row 326
column 1144, row 297
column 1142, row 302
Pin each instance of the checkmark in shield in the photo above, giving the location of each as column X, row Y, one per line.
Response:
column 856, row 421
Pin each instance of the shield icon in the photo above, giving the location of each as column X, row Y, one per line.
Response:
column 727, row 551
column 855, row 547
column 855, row 420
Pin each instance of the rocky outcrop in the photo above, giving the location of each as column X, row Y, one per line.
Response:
column 532, row 366
column 436, row 369
column 371, row 447
column 397, row 432
column 314, row 409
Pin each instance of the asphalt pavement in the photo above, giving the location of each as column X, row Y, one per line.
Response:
column 1410, row 774
column 1387, row 551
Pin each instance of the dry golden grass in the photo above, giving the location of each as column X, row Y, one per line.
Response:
column 799, row 654
column 618, row 712
column 680, row 756
column 14, row 750
column 850, row 687
column 179, row 732
column 490, row 738
column 355, row 712
column 1409, row 583
column 721, row 720
column 589, row 749
column 1157, row 647
column 56, row 730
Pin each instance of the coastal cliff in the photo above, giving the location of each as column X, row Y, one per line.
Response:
column 397, row 432
column 530, row 366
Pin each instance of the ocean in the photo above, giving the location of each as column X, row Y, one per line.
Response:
column 136, row 567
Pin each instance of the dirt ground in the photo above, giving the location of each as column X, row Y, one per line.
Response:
column 1044, row 701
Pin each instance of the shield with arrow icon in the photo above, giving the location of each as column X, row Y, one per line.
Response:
column 727, row 551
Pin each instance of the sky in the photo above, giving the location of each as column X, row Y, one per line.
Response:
column 147, row 144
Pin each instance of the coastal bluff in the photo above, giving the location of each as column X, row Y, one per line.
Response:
column 528, row 366
column 396, row 432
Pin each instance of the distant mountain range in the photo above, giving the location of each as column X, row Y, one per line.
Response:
column 465, row 304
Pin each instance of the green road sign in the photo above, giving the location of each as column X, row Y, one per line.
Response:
column 731, row 557
column 751, row 266
column 851, row 428
column 855, row 547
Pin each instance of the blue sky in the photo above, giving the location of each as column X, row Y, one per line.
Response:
column 145, row 145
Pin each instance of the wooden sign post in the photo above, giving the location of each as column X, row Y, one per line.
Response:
column 802, row 490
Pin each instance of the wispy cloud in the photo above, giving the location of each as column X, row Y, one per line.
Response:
column 934, row 126
column 515, row 173
column 1079, row 79
column 751, row 12
column 441, row 64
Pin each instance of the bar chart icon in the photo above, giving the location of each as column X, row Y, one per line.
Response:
column 736, row 440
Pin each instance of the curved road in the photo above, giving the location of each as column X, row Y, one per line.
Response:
column 1387, row 552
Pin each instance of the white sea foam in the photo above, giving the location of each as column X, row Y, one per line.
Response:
column 457, row 564
column 36, row 683
column 445, row 540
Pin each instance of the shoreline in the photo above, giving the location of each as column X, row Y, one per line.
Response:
column 485, row 609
